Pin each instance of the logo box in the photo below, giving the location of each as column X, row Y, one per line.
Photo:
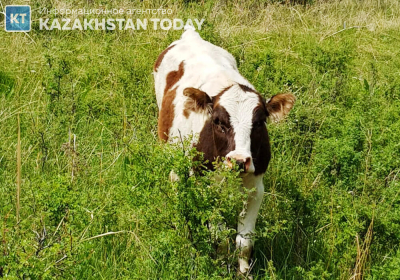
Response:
column 18, row 18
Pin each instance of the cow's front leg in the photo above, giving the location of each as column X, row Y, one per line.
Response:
column 247, row 220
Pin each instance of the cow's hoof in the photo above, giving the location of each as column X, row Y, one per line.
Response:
column 244, row 275
column 244, row 269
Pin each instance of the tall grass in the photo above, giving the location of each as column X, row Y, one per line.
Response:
column 18, row 192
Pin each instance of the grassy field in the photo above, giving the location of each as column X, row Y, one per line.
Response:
column 85, row 192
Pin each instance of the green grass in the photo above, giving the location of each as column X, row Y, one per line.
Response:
column 91, row 162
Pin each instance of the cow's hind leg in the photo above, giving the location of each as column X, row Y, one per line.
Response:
column 247, row 220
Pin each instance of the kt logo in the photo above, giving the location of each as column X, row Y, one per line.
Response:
column 18, row 18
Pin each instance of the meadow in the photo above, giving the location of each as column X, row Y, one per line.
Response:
column 84, row 179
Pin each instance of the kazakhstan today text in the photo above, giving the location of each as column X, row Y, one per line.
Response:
column 119, row 23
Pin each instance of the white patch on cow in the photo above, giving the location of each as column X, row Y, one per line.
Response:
column 240, row 106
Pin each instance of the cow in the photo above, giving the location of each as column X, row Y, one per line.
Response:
column 201, row 95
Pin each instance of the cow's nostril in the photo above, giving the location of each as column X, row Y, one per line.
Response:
column 241, row 164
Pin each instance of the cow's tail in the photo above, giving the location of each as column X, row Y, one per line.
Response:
column 189, row 27
column 189, row 32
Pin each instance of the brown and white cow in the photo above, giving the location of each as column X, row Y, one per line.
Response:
column 200, row 92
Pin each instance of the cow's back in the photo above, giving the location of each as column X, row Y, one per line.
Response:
column 190, row 62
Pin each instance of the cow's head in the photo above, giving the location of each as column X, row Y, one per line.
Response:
column 236, row 128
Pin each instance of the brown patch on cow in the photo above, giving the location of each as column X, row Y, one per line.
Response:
column 198, row 101
column 276, row 108
column 246, row 88
column 279, row 106
column 260, row 111
column 167, row 112
column 173, row 77
column 166, row 116
column 260, row 146
column 217, row 137
column 161, row 57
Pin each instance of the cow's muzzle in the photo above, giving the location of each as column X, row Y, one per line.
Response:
column 244, row 163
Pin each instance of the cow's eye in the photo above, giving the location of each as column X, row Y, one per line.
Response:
column 220, row 126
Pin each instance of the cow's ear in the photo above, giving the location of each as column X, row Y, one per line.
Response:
column 279, row 106
column 200, row 98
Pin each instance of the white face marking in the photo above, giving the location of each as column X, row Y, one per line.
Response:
column 240, row 106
